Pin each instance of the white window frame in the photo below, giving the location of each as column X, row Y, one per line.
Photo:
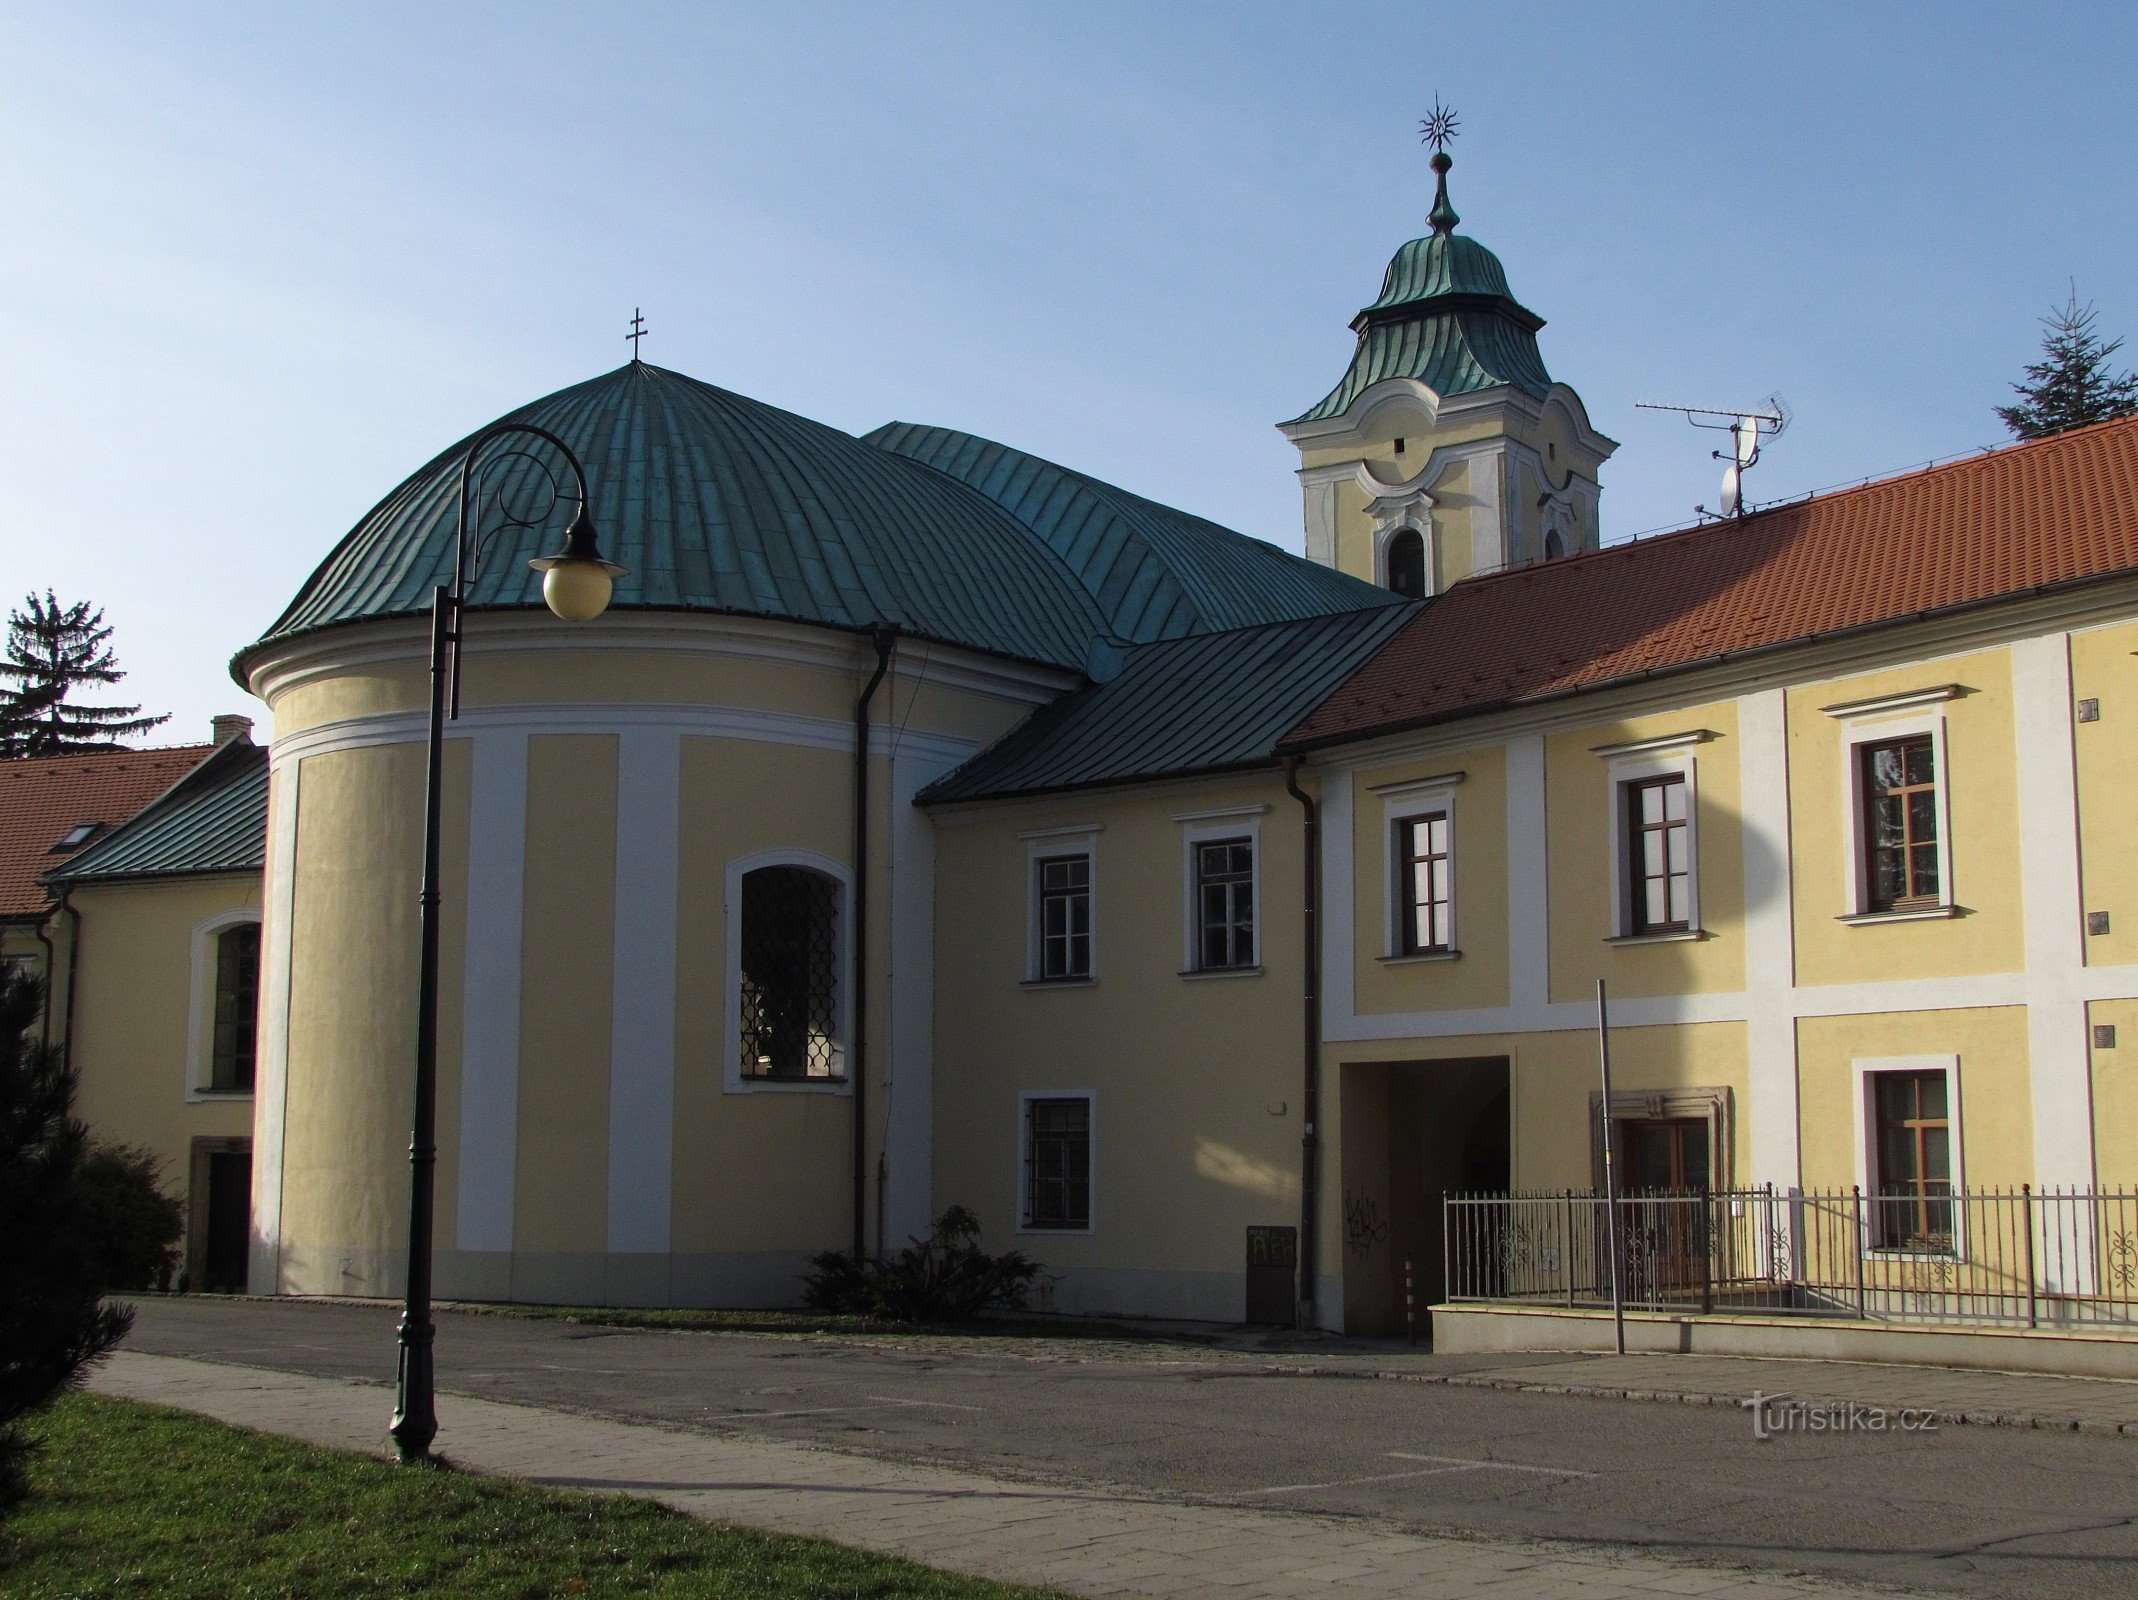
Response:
column 200, row 1005
column 734, row 1081
column 1867, row 722
column 1025, row 1097
column 1206, row 827
column 1866, row 1069
column 1400, row 803
column 1419, row 522
column 1042, row 844
column 1630, row 763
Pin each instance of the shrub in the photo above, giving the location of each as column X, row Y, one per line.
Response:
column 52, row 1319
column 130, row 1227
column 945, row 1277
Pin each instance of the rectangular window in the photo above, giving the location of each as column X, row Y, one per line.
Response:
column 1659, row 873
column 1913, row 1154
column 1063, row 895
column 1057, row 1163
column 1900, row 823
column 1425, row 888
column 1225, row 903
column 237, row 997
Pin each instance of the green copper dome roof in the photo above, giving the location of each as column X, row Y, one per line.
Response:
column 715, row 502
column 1158, row 573
column 1445, row 317
column 719, row 503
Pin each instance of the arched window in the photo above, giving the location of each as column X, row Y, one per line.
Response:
column 1406, row 564
column 788, row 998
column 1554, row 545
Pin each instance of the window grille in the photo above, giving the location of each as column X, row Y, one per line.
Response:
column 1900, row 823
column 1658, row 856
column 1427, row 886
column 789, row 987
column 237, row 999
column 1225, row 903
column 1058, row 1163
column 1064, row 917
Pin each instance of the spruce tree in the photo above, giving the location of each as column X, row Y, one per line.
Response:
column 2071, row 385
column 54, row 651
column 53, row 1320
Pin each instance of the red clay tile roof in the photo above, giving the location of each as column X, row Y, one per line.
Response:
column 1998, row 525
column 42, row 797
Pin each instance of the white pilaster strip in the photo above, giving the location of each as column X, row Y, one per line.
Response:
column 1339, row 891
column 642, row 1036
column 270, row 1103
column 1770, row 937
column 490, row 1000
column 2054, row 918
column 1528, row 877
column 909, row 991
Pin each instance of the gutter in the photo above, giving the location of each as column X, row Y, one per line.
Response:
column 1310, row 1054
column 885, row 640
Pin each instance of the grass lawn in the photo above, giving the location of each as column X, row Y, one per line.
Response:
column 139, row 1500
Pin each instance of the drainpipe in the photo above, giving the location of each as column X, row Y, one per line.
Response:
column 1310, row 1060
column 885, row 639
column 74, row 966
column 51, row 969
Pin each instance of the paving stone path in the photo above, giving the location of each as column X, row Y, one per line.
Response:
column 1085, row 1542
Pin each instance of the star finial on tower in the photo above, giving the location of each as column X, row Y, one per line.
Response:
column 638, row 331
column 1438, row 130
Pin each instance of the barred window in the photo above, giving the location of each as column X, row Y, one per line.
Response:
column 237, row 999
column 1057, row 1163
column 1426, row 883
column 1225, row 903
column 1064, row 901
column 790, row 965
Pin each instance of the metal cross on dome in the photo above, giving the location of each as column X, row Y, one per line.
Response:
column 1438, row 130
column 638, row 331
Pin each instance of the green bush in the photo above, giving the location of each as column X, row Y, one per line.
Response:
column 130, row 1227
column 945, row 1277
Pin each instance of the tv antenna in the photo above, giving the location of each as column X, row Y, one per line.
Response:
column 1747, row 428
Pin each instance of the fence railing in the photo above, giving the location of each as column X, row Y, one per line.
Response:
column 2018, row 1258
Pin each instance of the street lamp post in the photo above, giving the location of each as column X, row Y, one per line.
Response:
column 576, row 584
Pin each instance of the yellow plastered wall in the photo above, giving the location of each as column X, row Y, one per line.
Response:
column 1480, row 976
column 1581, row 822
column 762, row 1170
column 1996, row 1143
column 137, row 1007
column 1196, row 1081
column 568, row 935
column 2104, row 668
column 1982, row 801
column 2115, row 1095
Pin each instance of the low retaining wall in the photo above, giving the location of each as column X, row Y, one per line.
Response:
column 1488, row 1329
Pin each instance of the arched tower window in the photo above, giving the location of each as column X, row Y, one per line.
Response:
column 1406, row 564
column 1554, row 545
column 788, row 1009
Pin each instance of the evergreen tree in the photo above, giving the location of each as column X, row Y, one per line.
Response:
column 53, row 1322
column 2071, row 385
column 53, row 651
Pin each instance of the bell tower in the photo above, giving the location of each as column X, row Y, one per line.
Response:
column 1447, row 449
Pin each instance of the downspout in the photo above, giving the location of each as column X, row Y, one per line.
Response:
column 1310, row 1056
column 857, row 1058
column 74, row 966
column 51, row 967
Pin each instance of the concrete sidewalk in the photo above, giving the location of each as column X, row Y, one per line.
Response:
column 1086, row 1542
column 1954, row 1395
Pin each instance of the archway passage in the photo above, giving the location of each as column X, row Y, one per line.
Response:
column 1406, row 564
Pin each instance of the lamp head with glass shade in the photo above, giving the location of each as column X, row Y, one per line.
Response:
column 577, row 582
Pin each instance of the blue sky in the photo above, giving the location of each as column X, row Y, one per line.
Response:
column 261, row 261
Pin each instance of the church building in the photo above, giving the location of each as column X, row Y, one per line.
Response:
column 927, row 823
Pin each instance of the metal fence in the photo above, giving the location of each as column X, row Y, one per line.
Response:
column 2015, row 1258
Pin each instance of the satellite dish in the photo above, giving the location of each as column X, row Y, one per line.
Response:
column 1747, row 431
column 1732, row 489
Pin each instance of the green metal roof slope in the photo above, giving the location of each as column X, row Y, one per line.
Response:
column 716, row 502
column 1156, row 573
column 212, row 820
column 1211, row 703
column 1445, row 317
